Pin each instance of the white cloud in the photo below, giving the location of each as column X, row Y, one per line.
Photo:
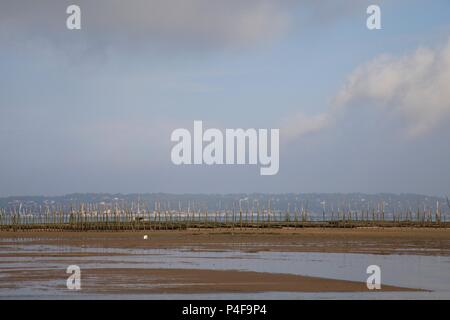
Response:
column 414, row 87
column 301, row 124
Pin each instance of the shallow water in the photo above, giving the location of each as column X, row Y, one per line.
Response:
column 422, row 272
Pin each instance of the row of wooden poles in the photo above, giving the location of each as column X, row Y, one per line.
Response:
column 123, row 219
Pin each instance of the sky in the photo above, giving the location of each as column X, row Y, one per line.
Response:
column 92, row 110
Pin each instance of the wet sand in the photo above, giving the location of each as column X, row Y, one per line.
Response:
column 119, row 279
column 417, row 241
column 135, row 281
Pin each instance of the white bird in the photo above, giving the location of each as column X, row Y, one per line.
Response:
column 145, row 237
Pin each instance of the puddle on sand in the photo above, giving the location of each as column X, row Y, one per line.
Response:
column 424, row 272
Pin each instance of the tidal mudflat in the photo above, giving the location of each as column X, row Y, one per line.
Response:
column 222, row 264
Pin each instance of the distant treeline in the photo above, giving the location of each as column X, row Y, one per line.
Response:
column 312, row 202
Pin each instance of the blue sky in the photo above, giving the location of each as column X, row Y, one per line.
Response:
column 92, row 110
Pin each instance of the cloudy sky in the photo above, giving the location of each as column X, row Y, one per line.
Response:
column 92, row 110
